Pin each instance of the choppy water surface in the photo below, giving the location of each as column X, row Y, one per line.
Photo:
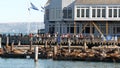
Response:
column 29, row 63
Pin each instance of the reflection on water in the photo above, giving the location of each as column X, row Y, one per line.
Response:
column 29, row 63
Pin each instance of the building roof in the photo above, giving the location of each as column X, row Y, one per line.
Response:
column 98, row 2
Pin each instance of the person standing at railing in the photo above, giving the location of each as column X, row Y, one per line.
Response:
column 58, row 39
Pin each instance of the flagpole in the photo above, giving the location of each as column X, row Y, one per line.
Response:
column 29, row 15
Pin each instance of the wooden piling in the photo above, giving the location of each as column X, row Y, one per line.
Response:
column 85, row 46
column 19, row 43
column 55, row 50
column 46, row 44
column 69, row 44
column 36, row 53
column 12, row 45
column 7, row 41
column 31, row 43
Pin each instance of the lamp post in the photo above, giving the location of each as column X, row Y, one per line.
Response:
column 31, row 39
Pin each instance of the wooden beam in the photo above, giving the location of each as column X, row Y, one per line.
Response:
column 84, row 27
column 97, row 28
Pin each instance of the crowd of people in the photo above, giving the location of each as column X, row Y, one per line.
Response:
column 56, row 37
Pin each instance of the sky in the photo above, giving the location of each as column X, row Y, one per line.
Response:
column 17, row 11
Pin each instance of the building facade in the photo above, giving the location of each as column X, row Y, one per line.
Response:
column 98, row 17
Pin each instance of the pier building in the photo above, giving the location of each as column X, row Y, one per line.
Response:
column 98, row 17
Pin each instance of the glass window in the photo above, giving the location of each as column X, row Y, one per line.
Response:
column 78, row 12
column 110, row 12
column 65, row 13
column 77, row 29
column 69, row 12
column 118, row 29
column 71, row 29
column 103, row 12
column 98, row 12
column 115, row 12
column 93, row 12
column 82, row 12
column 87, row 12
column 67, row 29
column 87, row 29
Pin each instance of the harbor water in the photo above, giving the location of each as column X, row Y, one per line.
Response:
column 49, row 63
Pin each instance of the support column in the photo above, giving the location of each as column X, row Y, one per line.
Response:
column 90, row 28
column 106, row 28
column 74, row 27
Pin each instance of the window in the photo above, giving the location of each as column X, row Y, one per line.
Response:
column 118, row 29
column 68, row 28
column 98, row 12
column 82, row 12
column 65, row 13
column 93, row 12
column 110, row 12
column 87, row 12
column 58, row 13
column 71, row 29
column 69, row 12
column 115, row 12
column 78, row 12
column 103, row 12
column 47, row 14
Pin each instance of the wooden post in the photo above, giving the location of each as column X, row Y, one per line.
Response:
column 69, row 44
column 55, row 50
column 46, row 44
column 31, row 39
column 36, row 53
column 7, row 41
column 30, row 43
column 12, row 46
column 106, row 28
column 85, row 45
column 74, row 27
column 90, row 28
column 19, row 43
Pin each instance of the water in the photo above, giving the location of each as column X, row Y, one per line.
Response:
column 29, row 63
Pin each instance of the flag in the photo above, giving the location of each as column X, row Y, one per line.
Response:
column 33, row 6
